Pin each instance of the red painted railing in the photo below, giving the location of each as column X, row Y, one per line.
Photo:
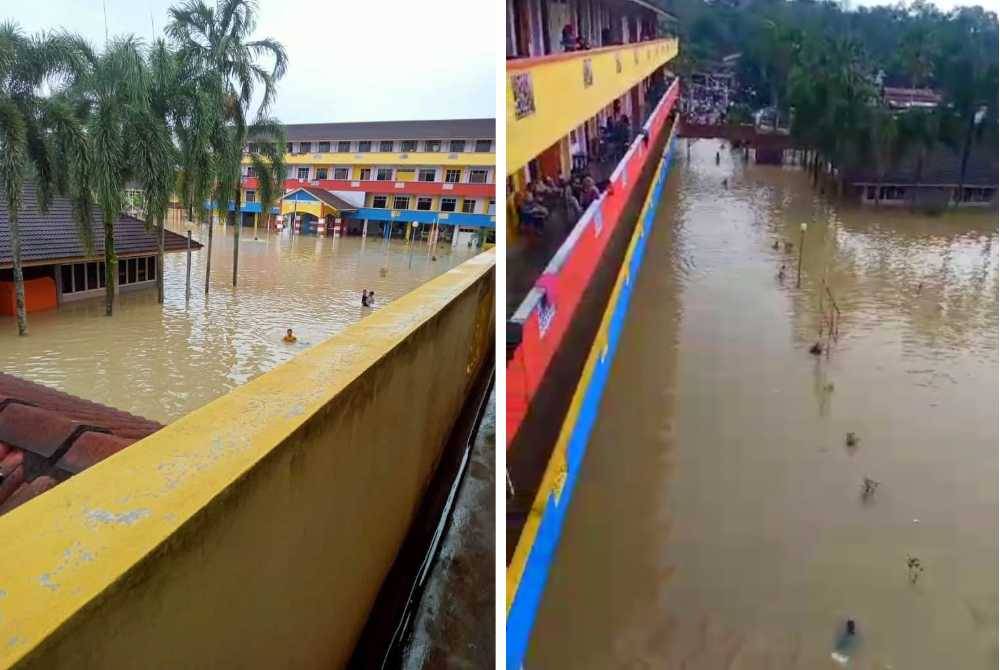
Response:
column 390, row 187
column 549, row 308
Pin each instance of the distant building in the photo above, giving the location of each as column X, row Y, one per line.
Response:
column 47, row 436
column 909, row 98
column 57, row 267
column 390, row 174
column 937, row 183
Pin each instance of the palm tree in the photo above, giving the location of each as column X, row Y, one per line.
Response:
column 216, row 41
column 157, row 158
column 268, row 163
column 117, row 93
column 39, row 136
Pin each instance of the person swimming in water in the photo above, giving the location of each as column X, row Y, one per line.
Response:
column 725, row 183
column 289, row 337
column 781, row 273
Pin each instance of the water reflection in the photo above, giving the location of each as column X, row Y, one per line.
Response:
column 717, row 521
column 163, row 361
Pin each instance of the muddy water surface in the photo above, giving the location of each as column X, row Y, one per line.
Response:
column 164, row 361
column 719, row 521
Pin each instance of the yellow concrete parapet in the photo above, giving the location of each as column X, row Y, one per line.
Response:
column 549, row 96
column 256, row 530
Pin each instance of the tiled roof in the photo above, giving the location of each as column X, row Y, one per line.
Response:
column 329, row 198
column 473, row 129
column 941, row 166
column 905, row 96
column 52, row 235
column 47, row 436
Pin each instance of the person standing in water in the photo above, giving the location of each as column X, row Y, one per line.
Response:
column 289, row 337
column 371, row 298
column 364, row 297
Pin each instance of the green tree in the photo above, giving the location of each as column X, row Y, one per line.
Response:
column 40, row 137
column 217, row 42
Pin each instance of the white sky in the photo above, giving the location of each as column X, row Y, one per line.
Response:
column 349, row 60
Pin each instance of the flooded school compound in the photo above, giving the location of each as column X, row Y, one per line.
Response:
column 162, row 362
column 741, row 498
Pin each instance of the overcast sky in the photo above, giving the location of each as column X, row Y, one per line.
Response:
column 349, row 60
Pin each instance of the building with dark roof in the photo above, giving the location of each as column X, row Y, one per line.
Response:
column 47, row 436
column 932, row 182
column 57, row 264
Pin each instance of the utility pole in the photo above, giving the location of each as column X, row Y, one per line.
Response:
column 802, row 243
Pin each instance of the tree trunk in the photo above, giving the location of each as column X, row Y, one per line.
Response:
column 15, row 252
column 208, row 259
column 239, row 226
column 159, row 263
column 110, row 264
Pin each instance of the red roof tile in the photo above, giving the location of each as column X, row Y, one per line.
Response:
column 47, row 436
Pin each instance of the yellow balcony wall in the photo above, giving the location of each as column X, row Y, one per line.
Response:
column 423, row 159
column 561, row 100
column 256, row 531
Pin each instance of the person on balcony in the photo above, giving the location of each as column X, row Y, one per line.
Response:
column 569, row 40
column 589, row 193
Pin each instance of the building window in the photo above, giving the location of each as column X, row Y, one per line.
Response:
column 892, row 193
column 385, row 145
column 424, row 204
column 288, row 148
column 305, row 147
column 408, row 145
column 469, row 206
column 448, row 204
column 483, row 146
column 383, row 174
column 340, row 173
column 432, row 145
column 977, row 195
column 493, row 207
column 452, row 176
column 478, row 176
column 344, row 147
column 378, row 201
column 456, row 146
column 401, row 202
column 321, row 173
column 302, row 173
column 366, row 174
column 427, row 174
column 79, row 277
column 870, row 193
column 251, row 171
column 324, row 147
column 364, row 147
column 251, row 196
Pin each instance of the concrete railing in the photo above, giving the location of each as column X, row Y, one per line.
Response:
column 546, row 313
column 255, row 531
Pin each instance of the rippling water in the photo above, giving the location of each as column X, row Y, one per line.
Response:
column 164, row 361
column 718, row 521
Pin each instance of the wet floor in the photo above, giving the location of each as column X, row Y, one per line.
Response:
column 718, row 521
column 164, row 361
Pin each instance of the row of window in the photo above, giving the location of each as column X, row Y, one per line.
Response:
column 451, row 175
column 900, row 193
column 77, row 277
column 425, row 203
column 367, row 146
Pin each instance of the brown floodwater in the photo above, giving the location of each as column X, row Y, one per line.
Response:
column 162, row 361
column 718, row 520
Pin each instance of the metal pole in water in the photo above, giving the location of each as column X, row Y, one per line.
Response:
column 802, row 242
column 187, row 294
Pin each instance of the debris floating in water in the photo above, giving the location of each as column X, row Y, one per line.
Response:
column 852, row 440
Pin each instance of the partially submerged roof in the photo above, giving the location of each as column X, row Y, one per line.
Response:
column 911, row 97
column 52, row 235
column 941, row 167
column 440, row 129
column 46, row 436
column 323, row 195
